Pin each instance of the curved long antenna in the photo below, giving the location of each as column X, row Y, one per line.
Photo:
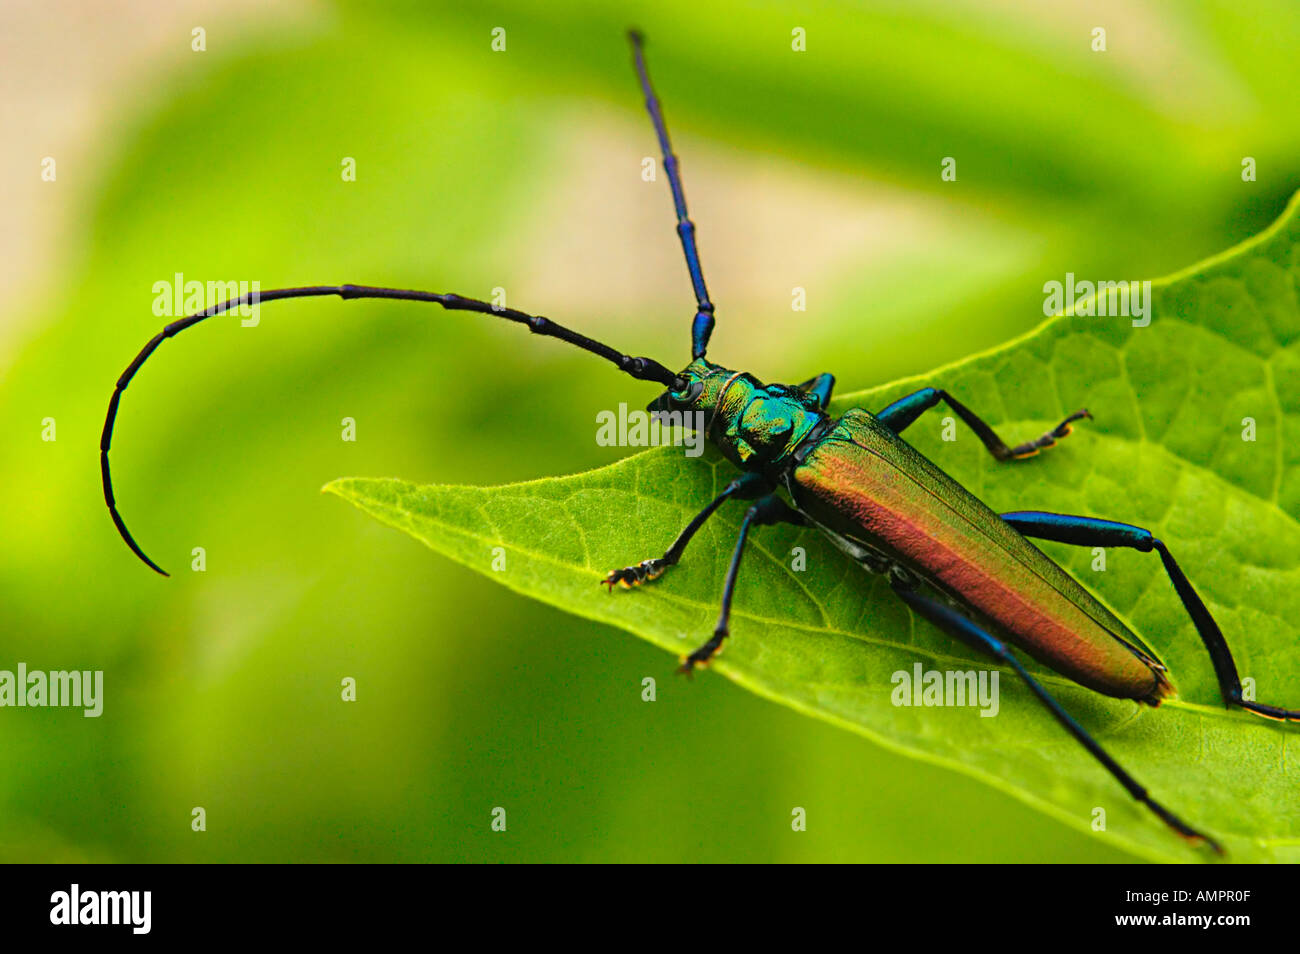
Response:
column 702, row 326
column 644, row 369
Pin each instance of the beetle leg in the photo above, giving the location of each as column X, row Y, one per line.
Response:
column 1092, row 532
column 819, row 387
column 968, row 632
column 747, row 486
column 765, row 510
column 906, row 410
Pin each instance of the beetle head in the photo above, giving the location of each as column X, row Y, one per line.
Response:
column 702, row 387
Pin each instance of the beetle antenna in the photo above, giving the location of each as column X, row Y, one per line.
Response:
column 702, row 326
column 644, row 369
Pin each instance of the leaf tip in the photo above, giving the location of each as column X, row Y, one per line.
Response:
column 341, row 487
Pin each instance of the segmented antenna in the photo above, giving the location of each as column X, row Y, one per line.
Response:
column 644, row 369
column 702, row 326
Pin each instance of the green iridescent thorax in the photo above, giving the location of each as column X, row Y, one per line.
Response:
column 756, row 425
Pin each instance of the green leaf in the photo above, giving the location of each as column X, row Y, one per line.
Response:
column 1166, row 451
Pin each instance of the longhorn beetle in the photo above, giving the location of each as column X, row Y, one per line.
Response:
column 955, row 562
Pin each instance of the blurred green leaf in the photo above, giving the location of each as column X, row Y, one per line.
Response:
column 1167, row 452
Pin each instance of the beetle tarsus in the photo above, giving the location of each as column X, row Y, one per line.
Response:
column 1049, row 439
column 630, row 576
column 704, row 655
column 1180, row 826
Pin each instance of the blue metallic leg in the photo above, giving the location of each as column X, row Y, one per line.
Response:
column 1091, row 532
column 906, row 410
column 962, row 628
column 820, row 387
column 766, row 510
column 702, row 327
column 745, row 487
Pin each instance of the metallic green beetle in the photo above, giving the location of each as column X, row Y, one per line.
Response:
column 955, row 562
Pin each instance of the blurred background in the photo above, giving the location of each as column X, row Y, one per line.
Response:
column 519, row 169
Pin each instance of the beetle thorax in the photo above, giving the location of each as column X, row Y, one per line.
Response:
column 757, row 426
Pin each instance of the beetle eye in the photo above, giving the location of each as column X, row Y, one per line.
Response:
column 672, row 400
column 689, row 395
